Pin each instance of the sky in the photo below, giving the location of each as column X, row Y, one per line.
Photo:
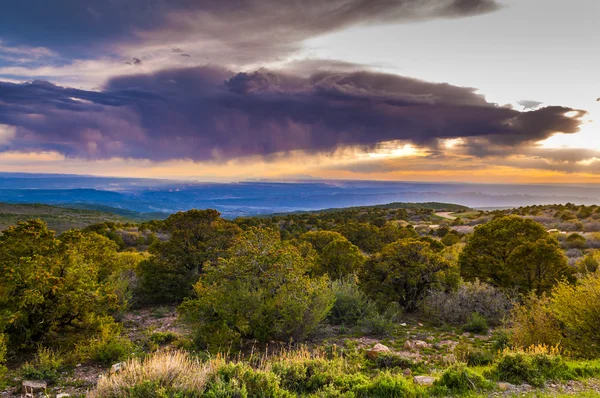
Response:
column 498, row 91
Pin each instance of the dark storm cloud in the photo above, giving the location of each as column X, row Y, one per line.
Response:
column 209, row 114
column 80, row 27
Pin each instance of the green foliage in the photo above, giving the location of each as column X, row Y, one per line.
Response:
column 55, row 291
column 532, row 322
column 450, row 239
column 386, row 385
column 381, row 323
column 46, row 365
column 459, row 380
column 403, row 272
column 196, row 238
column 476, row 324
column 366, row 236
column 473, row 356
column 108, row 350
column 532, row 368
column 240, row 380
column 511, row 251
column 259, row 291
column 339, row 258
column 3, row 351
column 577, row 309
column 351, row 304
column 320, row 239
column 576, row 241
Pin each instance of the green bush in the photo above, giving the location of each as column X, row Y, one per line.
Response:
column 576, row 308
column 403, row 272
column 260, row 291
column 459, row 380
column 3, row 350
column 473, row 356
column 46, row 365
column 108, row 350
column 157, row 339
column 534, row 368
column 381, row 323
column 55, row 291
column 386, row 385
column 395, row 361
column 240, row 380
column 476, row 324
column 351, row 304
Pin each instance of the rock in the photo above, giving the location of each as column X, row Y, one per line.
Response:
column 505, row 386
column 407, row 372
column 526, row 387
column 117, row 367
column 30, row 387
column 63, row 395
column 416, row 344
column 377, row 350
column 424, row 380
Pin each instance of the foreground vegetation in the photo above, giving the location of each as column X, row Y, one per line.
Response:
column 347, row 303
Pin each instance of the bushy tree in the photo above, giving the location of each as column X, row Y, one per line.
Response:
column 403, row 272
column 320, row 239
column 195, row 238
column 363, row 235
column 54, row 290
column 339, row 258
column 259, row 290
column 512, row 251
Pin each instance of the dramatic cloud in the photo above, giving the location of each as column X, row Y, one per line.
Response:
column 211, row 114
column 234, row 33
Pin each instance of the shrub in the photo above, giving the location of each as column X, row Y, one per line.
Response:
column 532, row 322
column 473, row 356
column 55, row 291
column 403, row 272
column 157, row 339
column 534, row 366
column 46, row 365
column 241, row 380
column 196, row 237
column 107, row 349
column 576, row 307
column 3, row 350
column 301, row 373
column 386, row 385
column 163, row 374
column 511, row 251
column 459, row 380
column 351, row 304
column 457, row 307
column 476, row 324
column 339, row 259
column 261, row 291
column 381, row 323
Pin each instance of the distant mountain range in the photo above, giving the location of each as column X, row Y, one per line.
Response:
column 149, row 198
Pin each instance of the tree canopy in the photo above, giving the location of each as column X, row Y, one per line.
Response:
column 513, row 251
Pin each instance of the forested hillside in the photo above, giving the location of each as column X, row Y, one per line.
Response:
column 399, row 300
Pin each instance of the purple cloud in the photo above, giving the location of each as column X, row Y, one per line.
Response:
column 211, row 114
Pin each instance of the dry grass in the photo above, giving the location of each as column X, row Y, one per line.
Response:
column 169, row 369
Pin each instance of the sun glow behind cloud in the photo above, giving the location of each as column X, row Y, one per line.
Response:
column 587, row 138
